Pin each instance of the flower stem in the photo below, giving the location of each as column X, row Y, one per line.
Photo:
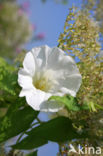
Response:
column 34, row 124
column 60, row 150
column 25, row 132
column 39, row 120
column 20, row 137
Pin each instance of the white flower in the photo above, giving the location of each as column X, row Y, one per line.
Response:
column 47, row 72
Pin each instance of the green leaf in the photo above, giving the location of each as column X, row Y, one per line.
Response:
column 16, row 122
column 70, row 102
column 8, row 77
column 9, row 88
column 85, row 106
column 57, row 130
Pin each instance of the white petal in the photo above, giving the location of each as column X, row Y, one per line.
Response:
column 24, row 92
column 58, row 61
column 51, row 106
column 29, row 63
column 41, row 55
column 36, row 98
column 68, row 91
column 38, row 101
column 67, row 73
column 54, row 57
column 70, row 85
column 24, row 79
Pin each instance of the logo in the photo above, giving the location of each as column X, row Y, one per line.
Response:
column 84, row 150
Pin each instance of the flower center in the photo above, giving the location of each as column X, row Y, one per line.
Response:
column 44, row 80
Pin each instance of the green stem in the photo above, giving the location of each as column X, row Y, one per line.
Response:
column 39, row 120
column 20, row 137
column 25, row 132
column 60, row 150
column 34, row 124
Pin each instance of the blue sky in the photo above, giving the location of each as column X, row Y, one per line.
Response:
column 49, row 18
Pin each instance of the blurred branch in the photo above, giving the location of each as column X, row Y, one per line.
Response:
column 57, row 1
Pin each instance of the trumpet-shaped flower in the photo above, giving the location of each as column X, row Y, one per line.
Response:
column 47, row 72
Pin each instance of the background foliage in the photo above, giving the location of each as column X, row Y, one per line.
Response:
column 82, row 117
column 15, row 29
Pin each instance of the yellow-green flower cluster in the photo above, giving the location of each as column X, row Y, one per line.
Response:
column 96, row 6
column 81, row 39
